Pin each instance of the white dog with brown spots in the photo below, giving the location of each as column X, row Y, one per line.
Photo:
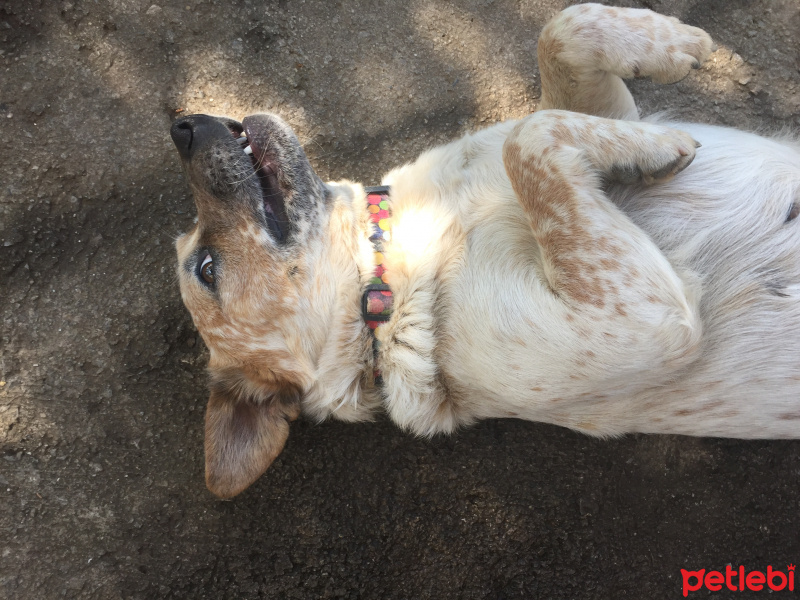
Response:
column 569, row 267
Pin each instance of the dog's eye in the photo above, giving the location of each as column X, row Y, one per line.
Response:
column 207, row 270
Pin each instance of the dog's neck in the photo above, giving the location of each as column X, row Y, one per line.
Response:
column 344, row 381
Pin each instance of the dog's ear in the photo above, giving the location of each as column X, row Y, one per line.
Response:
column 246, row 429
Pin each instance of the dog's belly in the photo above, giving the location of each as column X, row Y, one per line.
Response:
column 727, row 226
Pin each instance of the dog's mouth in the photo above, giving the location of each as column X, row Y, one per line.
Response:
column 258, row 163
column 254, row 139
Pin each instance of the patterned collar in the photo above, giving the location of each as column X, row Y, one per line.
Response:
column 376, row 302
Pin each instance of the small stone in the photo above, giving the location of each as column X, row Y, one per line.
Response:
column 37, row 108
column 154, row 9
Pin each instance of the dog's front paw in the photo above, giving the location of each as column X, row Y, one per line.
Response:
column 676, row 50
column 660, row 155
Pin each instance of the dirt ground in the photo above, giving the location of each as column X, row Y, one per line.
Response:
column 102, row 383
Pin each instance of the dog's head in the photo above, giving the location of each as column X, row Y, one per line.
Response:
column 246, row 273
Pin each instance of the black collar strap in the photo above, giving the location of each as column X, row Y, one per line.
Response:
column 376, row 301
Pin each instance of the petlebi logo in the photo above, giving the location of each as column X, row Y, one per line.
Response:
column 737, row 580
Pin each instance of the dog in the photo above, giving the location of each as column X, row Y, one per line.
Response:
column 570, row 267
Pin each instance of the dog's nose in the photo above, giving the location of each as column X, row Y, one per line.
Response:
column 193, row 132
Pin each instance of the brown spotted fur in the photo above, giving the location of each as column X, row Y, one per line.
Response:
column 575, row 267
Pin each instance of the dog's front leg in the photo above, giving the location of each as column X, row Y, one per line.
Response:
column 587, row 50
column 601, row 267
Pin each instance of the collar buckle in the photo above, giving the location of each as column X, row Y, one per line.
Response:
column 376, row 304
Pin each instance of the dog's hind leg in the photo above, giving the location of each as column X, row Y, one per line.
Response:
column 587, row 50
column 599, row 266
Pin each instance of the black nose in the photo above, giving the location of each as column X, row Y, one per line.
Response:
column 192, row 133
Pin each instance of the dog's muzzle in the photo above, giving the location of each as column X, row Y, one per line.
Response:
column 194, row 132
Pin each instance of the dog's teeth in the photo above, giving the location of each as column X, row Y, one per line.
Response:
column 248, row 150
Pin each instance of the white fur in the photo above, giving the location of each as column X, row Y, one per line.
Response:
column 478, row 333
column 525, row 283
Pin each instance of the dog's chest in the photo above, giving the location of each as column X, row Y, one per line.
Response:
column 468, row 277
